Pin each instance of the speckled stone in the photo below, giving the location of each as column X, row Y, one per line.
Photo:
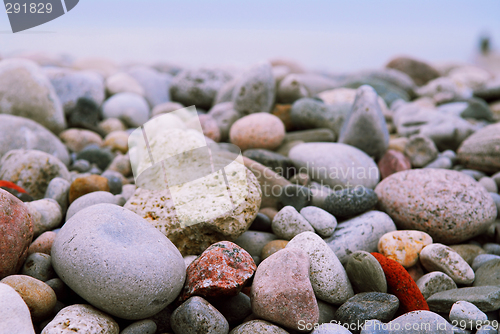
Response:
column 442, row 203
column 365, row 273
column 288, row 223
column 350, row 202
column 486, row 298
column 77, row 139
column 272, row 247
column 85, row 185
column 435, row 282
column 258, row 326
column 42, row 244
column 323, row 222
column 488, row 274
column 281, row 289
column 15, row 316
column 468, row 252
column 392, row 162
column 434, row 323
column 328, row 277
column 254, row 91
column 140, row 327
column 467, row 314
column 259, row 130
column 196, row 315
column 421, row 150
column 39, row 266
column 277, row 162
column 360, row 233
column 39, row 297
column 438, row 257
column 403, row 246
column 481, row 150
column 224, row 116
column 81, row 318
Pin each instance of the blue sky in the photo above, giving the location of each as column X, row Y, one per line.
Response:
column 335, row 35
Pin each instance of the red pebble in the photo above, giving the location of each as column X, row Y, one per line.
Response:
column 8, row 184
column 400, row 284
column 392, row 162
column 221, row 270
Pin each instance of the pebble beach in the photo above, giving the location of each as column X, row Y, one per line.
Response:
column 371, row 199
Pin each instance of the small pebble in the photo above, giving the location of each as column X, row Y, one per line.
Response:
column 272, row 247
column 323, row 222
column 84, row 185
column 350, row 202
column 392, row 162
column 42, row 244
column 140, row 327
column 421, row 150
column 196, row 315
column 435, row 282
column 296, row 196
column 39, row 266
column 365, row 273
column 260, row 130
column 482, row 259
column 288, row 223
column 403, row 246
column 467, row 315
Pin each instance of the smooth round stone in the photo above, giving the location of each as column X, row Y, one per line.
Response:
column 93, row 198
column 272, row 247
column 123, row 83
column 328, row 277
column 434, row 323
column 128, row 191
column 117, row 141
column 365, row 273
column 225, row 116
column 130, row 108
column 140, row 327
column 398, row 144
column 96, row 271
column 253, row 242
column 58, row 190
column 121, row 164
column 420, row 150
column 392, row 162
column 39, row 297
column 196, row 315
column 350, row 202
column 403, row 246
column 209, row 127
column 110, row 125
column 28, row 93
column 81, row 318
column 492, row 248
column 258, row 326
column 489, row 184
column 496, row 199
column 438, row 257
column 482, row 259
column 295, row 196
column 331, row 329
column 16, row 233
column 15, row 315
column 360, row 233
column 435, row 282
column 77, row 139
column 433, row 201
column 235, row 309
column 39, row 266
column 198, row 87
column 50, row 215
column 32, row 170
column 288, row 223
column 80, row 166
column 42, row 244
column 440, row 162
column 420, row 72
column 254, row 91
column 322, row 221
column 277, row 162
column 468, row 252
column 486, row 298
column 481, row 150
column 335, row 164
column 261, row 223
column 156, row 84
column 114, row 181
column 85, row 185
column 488, row 274
column 60, row 289
column 468, row 315
column 259, row 130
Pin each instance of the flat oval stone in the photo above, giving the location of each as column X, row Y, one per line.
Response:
column 435, row 282
column 442, row 203
column 282, row 291
column 258, row 326
column 140, row 327
column 426, row 322
column 15, row 313
column 403, row 246
column 365, row 273
column 328, row 277
column 88, row 255
column 130, row 108
column 468, row 252
column 288, row 223
column 350, row 202
column 196, row 315
column 96, row 197
column 259, row 130
column 360, row 233
column 482, row 259
column 438, row 257
column 50, row 215
column 486, row 298
column 323, row 222
column 463, row 312
column 481, row 150
column 87, row 184
column 488, row 274
column 81, row 318
column 337, row 165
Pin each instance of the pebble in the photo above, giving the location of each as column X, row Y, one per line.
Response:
column 481, row 150
column 392, row 162
column 30, row 94
column 323, row 222
column 434, row 282
column 328, row 277
column 440, row 162
column 117, row 141
column 297, row 85
column 366, row 117
column 221, row 270
column 331, row 329
column 93, row 198
column 261, row 223
column 360, row 233
column 50, row 215
column 254, row 241
column 272, row 247
column 277, row 162
column 420, row 72
column 403, row 246
column 444, row 89
column 336, row 165
column 496, row 199
column 486, row 298
column 254, row 91
column 130, row 108
column 96, row 155
column 235, row 309
column 42, row 244
column 467, row 315
column 282, row 292
column 491, row 248
column 86, row 114
column 110, row 125
column 80, row 166
column 96, row 271
column 310, row 113
column 16, row 234
column 77, row 139
column 15, row 313
column 366, row 306
column 433, row 201
column 210, row 127
column 296, row 196
column 259, row 130
column 288, row 223
column 115, row 182
column 39, row 297
column 398, row 144
column 488, row 274
column 196, row 315
column 420, row 150
column 468, row 252
column 438, row 257
column 198, row 87
column 282, row 111
column 311, row 136
column 60, row 289
column 140, row 327
column 121, row 164
column 258, row 326
column 128, row 191
column 350, row 202
column 365, row 273
column 482, row 259
column 156, row 85
column 58, row 190
column 489, row 184
column 31, row 170
column 123, row 83
column 225, row 116
column 424, row 322
column 39, row 266
column 85, row 185
column 81, row 318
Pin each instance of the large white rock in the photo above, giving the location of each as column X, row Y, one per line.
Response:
column 15, row 316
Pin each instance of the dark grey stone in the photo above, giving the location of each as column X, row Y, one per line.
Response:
column 482, row 259
column 350, row 202
column 39, row 266
column 488, row 274
column 365, row 273
column 491, row 248
column 490, row 92
column 255, row 90
column 140, row 327
column 60, row 289
column 234, row 309
column 471, row 108
column 311, row 136
column 277, row 162
column 114, row 181
column 80, row 166
column 385, row 89
column 196, row 315
column 296, row 196
column 86, row 114
column 486, row 298
column 261, row 223
column 307, row 113
column 94, row 154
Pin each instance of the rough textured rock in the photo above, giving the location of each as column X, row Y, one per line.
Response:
column 15, row 316
column 448, row 205
column 435, row 282
column 403, row 246
column 25, row 91
column 481, row 150
column 196, row 315
column 350, row 202
column 255, row 90
column 102, row 250
column 421, row 150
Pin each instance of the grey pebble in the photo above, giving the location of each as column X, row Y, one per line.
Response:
column 94, row 154
column 140, row 327
column 492, row 248
column 482, row 259
column 496, row 199
column 93, row 198
column 311, row 136
column 234, row 309
column 486, row 298
column 196, row 315
column 488, row 274
column 254, row 241
column 435, row 282
column 350, row 202
column 39, row 266
column 463, row 312
column 365, row 273
column 255, row 90
column 288, row 223
column 114, row 181
column 421, row 150
column 296, row 196
column 322, row 221
column 80, row 166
